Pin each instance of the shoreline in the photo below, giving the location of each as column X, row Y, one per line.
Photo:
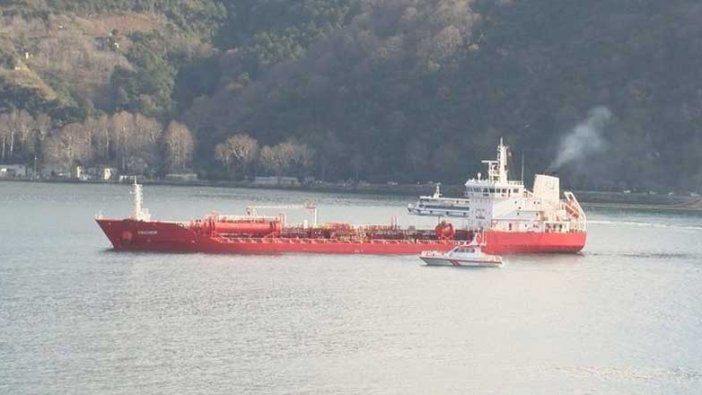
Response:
column 596, row 199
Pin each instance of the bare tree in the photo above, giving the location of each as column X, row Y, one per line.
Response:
column 120, row 128
column 287, row 156
column 24, row 128
column 178, row 144
column 273, row 160
column 99, row 129
column 16, row 132
column 5, row 133
column 142, row 144
column 300, row 157
column 240, row 150
column 222, row 155
column 42, row 126
column 11, row 132
column 68, row 146
column 134, row 138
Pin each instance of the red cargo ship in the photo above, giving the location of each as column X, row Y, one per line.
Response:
column 252, row 234
column 500, row 214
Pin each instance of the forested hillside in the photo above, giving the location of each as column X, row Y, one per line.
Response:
column 376, row 90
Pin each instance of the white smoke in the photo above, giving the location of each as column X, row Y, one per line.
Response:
column 585, row 139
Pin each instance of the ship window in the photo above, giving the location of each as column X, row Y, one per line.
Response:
column 515, row 190
column 492, row 190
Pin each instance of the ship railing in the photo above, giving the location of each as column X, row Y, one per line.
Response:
column 308, row 240
column 487, row 183
column 241, row 218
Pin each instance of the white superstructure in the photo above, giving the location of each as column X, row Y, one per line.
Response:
column 498, row 203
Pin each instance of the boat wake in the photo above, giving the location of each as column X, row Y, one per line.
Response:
column 647, row 225
column 645, row 255
column 680, row 375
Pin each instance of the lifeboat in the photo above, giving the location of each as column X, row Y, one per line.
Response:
column 444, row 231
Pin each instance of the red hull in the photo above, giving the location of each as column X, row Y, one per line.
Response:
column 500, row 243
column 133, row 235
column 174, row 237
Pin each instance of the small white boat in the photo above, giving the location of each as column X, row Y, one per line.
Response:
column 469, row 255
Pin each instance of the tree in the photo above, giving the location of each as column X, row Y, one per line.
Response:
column 135, row 139
column 300, row 156
column 239, row 150
column 99, row 128
column 68, row 146
column 5, row 133
column 286, row 156
column 178, row 144
column 120, row 130
column 273, row 160
column 142, row 146
column 24, row 128
column 42, row 126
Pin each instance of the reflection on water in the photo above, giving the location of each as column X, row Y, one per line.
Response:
column 625, row 316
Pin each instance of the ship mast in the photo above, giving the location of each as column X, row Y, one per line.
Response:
column 502, row 162
column 139, row 212
column 497, row 169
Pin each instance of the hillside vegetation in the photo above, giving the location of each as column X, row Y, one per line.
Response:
column 376, row 90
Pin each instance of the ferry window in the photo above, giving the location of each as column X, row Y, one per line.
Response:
column 485, row 190
column 515, row 190
column 492, row 190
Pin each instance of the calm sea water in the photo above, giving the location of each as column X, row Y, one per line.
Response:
column 625, row 316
